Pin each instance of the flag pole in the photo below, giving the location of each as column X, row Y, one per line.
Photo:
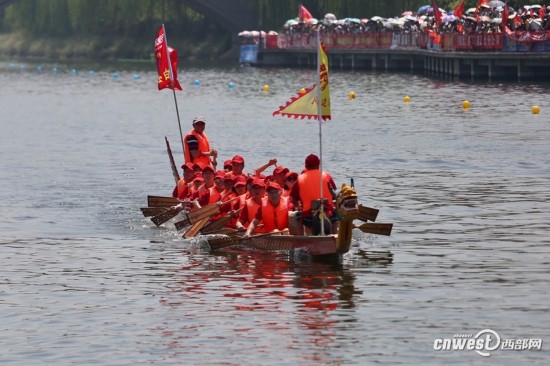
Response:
column 320, row 119
column 173, row 88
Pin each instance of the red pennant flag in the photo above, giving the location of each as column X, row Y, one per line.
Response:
column 459, row 10
column 437, row 14
column 303, row 13
column 167, row 71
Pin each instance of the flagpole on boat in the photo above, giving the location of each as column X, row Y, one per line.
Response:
column 172, row 87
column 320, row 119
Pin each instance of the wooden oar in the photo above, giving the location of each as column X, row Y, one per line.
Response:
column 220, row 223
column 175, row 172
column 208, row 210
column 375, row 228
column 197, row 215
column 196, row 228
column 367, row 213
column 161, row 201
column 152, row 211
column 166, row 215
column 215, row 226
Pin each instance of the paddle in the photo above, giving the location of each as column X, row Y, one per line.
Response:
column 152, row 211
column 367, row 213
column 208, row 210
column 161, row 201
column 219, row 223
column 166, row 215
column 175, row 172
column 195, row 228
column 375, row 228
column 197, row 215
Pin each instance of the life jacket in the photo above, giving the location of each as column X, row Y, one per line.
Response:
column 215, row 195
column 204, row 146
column 274, row 217
column 181, row 189
column 252, row 208
column 310, row 190
column 238, row 203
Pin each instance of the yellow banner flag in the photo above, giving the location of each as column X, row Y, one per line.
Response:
column 305, row 104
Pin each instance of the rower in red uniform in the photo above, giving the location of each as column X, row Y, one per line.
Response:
column 273, row 212
column 181, row 189
column 251, row 206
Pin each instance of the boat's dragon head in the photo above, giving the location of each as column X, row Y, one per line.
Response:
column 346, row 203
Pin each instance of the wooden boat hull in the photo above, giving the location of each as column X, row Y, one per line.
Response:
column 312, row 245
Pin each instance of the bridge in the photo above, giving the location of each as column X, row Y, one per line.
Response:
column 232, row 15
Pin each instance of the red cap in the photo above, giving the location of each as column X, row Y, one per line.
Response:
column 312, row 160
column 237, row 159
column 291, row 174
column 188, row 165
column 227, row 163
column 198, row 178
column 273, row 186
column 229, row 176
column 240, row 180
column 208, row 167
column 258, row 183
column 220, row 174
column 279, row 170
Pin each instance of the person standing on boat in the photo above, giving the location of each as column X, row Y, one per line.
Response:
column 197, row 145
column 273, row 212
column 307, row 192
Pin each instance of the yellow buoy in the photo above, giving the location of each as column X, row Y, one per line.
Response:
column 351, row 95
column 406, row 99
column 302, row 91
column 535, row 109
column 465, row 104
column 265, row 88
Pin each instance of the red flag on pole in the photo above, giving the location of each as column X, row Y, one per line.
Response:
column 167, row 71
column 437, row 14
column 303, row 13
column 459, row 10
column 505, row 13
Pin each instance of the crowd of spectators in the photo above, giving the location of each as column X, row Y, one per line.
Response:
column 485, row 19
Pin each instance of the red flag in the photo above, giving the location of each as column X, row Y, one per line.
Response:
column 167, row 71
column 303, row 13
column 437, row 14
column 459, row 10
column 504, row 20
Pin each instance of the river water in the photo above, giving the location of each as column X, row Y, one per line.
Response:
column 87, row 280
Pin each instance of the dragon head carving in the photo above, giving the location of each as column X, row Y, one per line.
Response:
column 346, row 203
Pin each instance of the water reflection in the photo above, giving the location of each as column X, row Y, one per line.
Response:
column 265, row 298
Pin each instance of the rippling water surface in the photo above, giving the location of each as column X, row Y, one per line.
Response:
column 87, row 280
